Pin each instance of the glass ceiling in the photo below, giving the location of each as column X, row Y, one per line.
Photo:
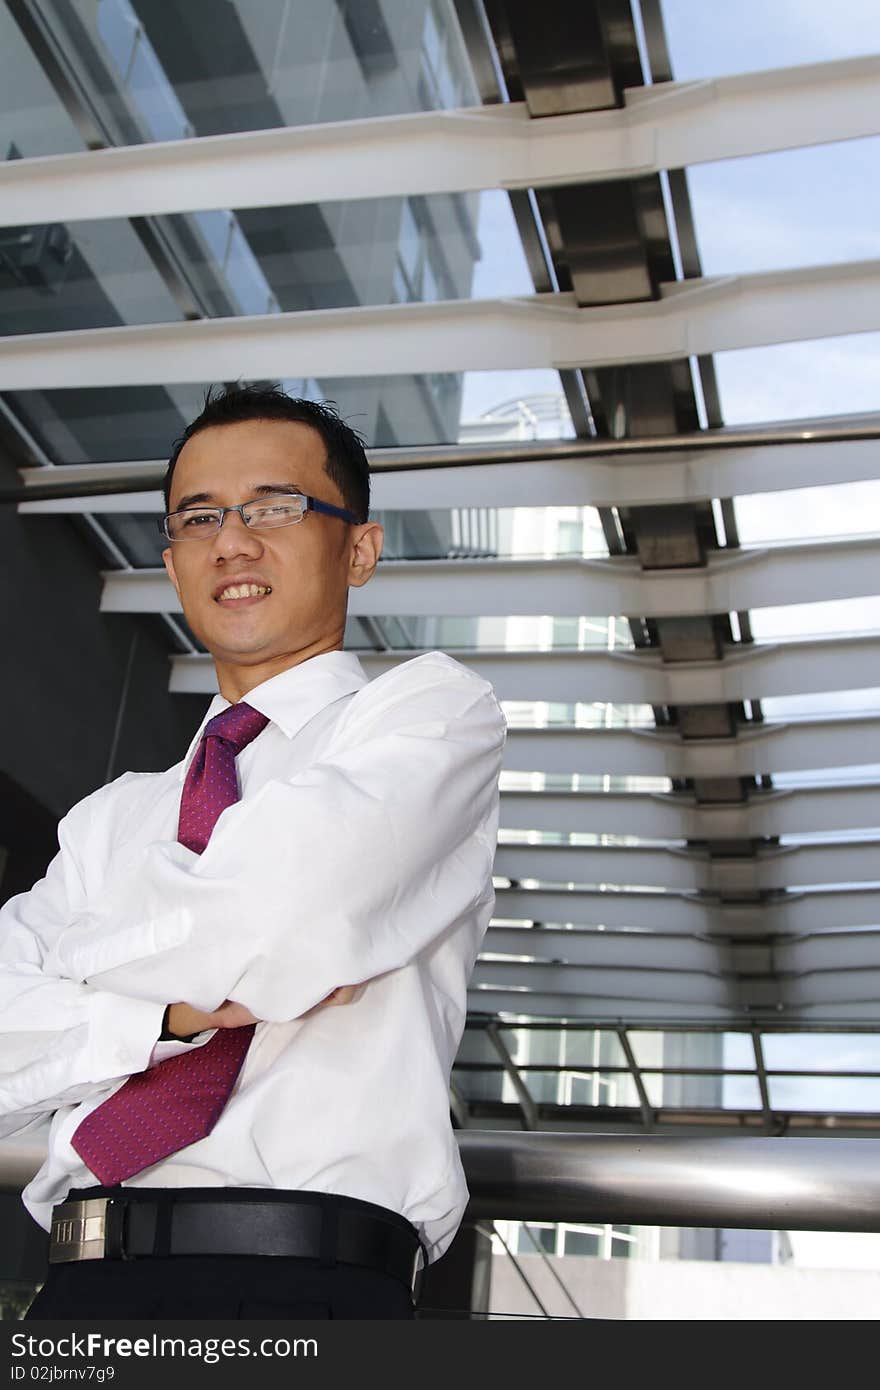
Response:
column 717, row 40
column 831, row 377
column 839, row 509
column 814, row 206
column 243, row 66
column 264, row 63
column 122, row 424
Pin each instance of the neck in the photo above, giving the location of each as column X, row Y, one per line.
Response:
column 235, row 681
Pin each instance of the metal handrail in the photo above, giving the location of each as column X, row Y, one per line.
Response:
column 148, row 476
column 760, row 1184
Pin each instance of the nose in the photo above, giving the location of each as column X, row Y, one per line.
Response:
column 235, row 538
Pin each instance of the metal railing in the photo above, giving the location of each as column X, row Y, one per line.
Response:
column 760, row 1184
column 148, row 475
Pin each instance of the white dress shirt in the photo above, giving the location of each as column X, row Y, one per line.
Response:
column 361, row 852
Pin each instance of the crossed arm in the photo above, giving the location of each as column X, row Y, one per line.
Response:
column 344, row 871
column 184, row 1021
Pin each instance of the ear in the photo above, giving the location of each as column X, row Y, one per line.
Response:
column 367, row 540
column 168, row 558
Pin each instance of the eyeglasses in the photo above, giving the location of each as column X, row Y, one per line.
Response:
column 284, row 509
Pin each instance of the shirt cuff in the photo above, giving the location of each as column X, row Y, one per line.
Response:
column 122, row 1034
column 173, row 1047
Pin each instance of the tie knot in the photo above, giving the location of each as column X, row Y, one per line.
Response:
column 237, row 725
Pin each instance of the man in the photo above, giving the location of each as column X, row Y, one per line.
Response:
column 226, row 1141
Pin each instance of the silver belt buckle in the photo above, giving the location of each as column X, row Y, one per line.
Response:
column 78, row 1231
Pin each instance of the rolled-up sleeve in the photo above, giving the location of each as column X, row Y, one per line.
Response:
column 336, row 874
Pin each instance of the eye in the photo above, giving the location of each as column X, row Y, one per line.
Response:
column 195, row 519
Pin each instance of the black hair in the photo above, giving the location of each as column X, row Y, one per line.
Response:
column 346, row 462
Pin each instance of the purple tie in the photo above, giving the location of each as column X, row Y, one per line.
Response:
column 164, row 1109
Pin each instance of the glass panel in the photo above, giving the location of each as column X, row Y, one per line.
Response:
column 530, row 1241
column 597, row 1088
column 476, row 1047
column 32, row 120
column 481, row 1085
column 409, row 535
column 840, row 509
column 371, row 251
column 87, row 275
column 113, row 424
column 674, row 1049
column 865, row 773
column 827, row 618
column 596, row 715
column 822, row 1051
column 780, row 223
column 837, row 1095
column 835, row 702
column 493, row 634
column 622, row 1247
column 507, row 407
column 740, row 1093
column 534, row 533
column 799, row 381
column 600, row 782
column 713, row 40
column 575, row 1047
column 155, row 73
column 582, row 1243
column 571, row 1087
column 578, row 837
column 581, row 1088
column 702, row 1092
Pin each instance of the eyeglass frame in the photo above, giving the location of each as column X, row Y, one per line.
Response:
column 313, row 504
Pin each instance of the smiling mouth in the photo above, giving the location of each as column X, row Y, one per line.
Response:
column 243, row 593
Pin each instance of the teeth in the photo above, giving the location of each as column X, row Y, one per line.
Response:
column 245, row 591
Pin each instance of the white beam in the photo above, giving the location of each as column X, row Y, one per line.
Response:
column 630, row 480
column 692, row 318
column 711, row 980
column 804, row 667
column 730, row 581
column 815, row 911
column 594, row 1006
column 774, row 956
column 758, row 748
column 672, row 816
column 661, row 986
column 604, row 949
column 670, row 125
column 683, row 870
column 577, row 993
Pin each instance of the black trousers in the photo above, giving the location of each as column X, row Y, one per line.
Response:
column 218, row 1286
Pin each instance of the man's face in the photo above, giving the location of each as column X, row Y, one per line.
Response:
column 306, row 568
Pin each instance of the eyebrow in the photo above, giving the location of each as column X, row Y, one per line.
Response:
column 194, row 499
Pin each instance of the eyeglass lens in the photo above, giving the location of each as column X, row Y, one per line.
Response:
column 196, row 523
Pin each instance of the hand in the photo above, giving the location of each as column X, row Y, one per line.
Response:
column 184, row 1020
column 342, row 994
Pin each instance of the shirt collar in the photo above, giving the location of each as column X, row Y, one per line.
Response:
column 293, row 697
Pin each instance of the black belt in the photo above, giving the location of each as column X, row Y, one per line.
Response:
column 121, row 1223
